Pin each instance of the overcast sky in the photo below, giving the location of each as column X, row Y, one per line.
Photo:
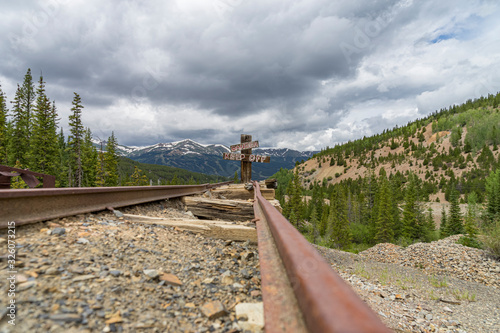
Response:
column 301, row 74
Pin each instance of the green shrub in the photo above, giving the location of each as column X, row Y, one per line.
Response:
column 469, row 241
column 491, row 239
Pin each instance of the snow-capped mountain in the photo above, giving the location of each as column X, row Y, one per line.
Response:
column 191, row 155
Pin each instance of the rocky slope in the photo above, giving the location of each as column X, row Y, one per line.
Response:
column 427, row 287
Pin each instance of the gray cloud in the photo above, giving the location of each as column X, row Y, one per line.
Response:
column 302, row 74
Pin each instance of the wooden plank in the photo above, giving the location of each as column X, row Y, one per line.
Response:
column 240, row 193
column 228, row 210
column 246, row 157
column 246, row 166
column 245, row 145
column 217, row 229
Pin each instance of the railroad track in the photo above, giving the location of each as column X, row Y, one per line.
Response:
column 300, row 291
column 34, row 205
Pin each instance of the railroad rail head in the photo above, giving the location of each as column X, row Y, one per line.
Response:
column 34, row 205
column 325, row 303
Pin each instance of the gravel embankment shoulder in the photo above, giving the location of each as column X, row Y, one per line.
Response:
column 427, row 287
column 97, row 273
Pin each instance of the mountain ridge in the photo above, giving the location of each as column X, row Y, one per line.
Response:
column 207, row 158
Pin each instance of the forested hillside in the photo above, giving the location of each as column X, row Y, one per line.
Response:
column 375, row 189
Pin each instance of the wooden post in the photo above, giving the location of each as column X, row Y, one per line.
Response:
column 246, row 167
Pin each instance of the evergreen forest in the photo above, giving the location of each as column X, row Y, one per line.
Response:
column 379, row 189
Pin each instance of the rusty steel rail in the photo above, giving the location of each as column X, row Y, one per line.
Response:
column 34, row 205
column 301, row 292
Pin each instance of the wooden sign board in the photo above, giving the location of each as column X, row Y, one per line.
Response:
column 245, row 145
column 246, row 157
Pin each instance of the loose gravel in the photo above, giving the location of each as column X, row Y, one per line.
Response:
column 100, row 273
column 426, row 287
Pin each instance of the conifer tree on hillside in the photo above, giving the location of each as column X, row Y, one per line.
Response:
column 295, row 204
column 338, row 223
column 470, row 229
column 111, row 161
column 385, row 219
column 314, row 225
column 43, row 154
column 75, row 142
column 492, row 212
column 323, row 223
column 63, row 159
column 455, row 225
column 414, row 223
column 138, row 178
column 89, row 160
column 3, row 127
column 18, row 144
column 28, row 98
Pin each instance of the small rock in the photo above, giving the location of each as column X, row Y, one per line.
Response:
column 66, row 317
column 151, row 273
column 21, row 278
column 83, row 278
column 117, row 213
column 254, row 315
column 83, row 241
column 447, row 309
column 52, row 271
column 208, row 281
column 213, row 310
column 115, row 273
column 58, row 231
column 26, row 285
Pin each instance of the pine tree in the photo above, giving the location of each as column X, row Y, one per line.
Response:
column 175, row 180
column 138, row 178
column 28, row 97
column 63, row 159
column 396, row 214
column 314, row 225
column 470, row 228
column 410, row 211
column 430, row 226
column 89, row 160
column 100, row 169
column 323, row 223
column 3, row 127
column 75, row 142
column 18, row 144
column 493, row 196
column 455, row 225
column 111, row 161
column 43, row 152
column 385, row 220
column 295, row 204
column 338, row 223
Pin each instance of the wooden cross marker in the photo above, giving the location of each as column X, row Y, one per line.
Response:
column 246, row 156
